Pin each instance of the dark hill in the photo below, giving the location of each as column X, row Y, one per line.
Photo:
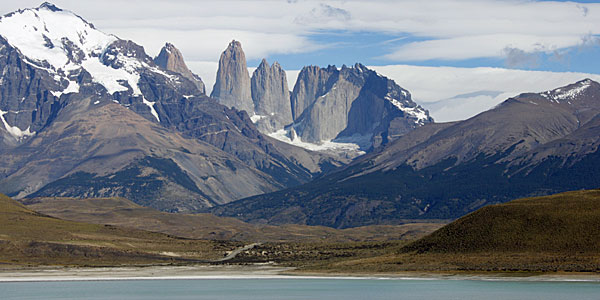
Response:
column 567, row 223
column 553, row 233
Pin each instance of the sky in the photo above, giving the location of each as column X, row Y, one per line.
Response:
column 521, row 35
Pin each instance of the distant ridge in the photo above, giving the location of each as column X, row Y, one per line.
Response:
column 532, row 144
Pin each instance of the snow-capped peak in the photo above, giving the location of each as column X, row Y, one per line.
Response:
column 567, row 93
column 49, row 6
column 62, row 43
column 53, row 35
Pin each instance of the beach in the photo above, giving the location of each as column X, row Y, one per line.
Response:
column 259, row 271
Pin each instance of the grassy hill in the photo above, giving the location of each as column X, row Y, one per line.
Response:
column 124, row 213
column 563, row 223
column 30, row 238
column 552, row 233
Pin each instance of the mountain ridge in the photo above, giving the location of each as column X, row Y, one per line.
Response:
column 443, row 171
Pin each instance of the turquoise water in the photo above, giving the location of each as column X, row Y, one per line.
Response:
column 282, row 289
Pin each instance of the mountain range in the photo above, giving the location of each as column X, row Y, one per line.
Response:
column 86, row 114
column 532, row 144
column 348, row 105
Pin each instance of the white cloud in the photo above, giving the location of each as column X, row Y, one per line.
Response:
column 448, row 29
column 207, row 45
column 459, row 93
column 481, row 46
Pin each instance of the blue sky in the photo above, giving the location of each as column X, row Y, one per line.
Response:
column 370, row 48
column 520, row 34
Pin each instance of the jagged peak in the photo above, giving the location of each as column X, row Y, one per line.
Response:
column 169, row 48
column 264, row 64
column 234, row 45
column 49, row 6
column 276, row 66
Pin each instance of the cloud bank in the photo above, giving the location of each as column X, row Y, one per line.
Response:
column 441, row 29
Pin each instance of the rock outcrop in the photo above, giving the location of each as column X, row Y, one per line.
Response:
column 312, row 83
column 232, row 86
column 271, row 97
column 352, row 104
column 170, row 58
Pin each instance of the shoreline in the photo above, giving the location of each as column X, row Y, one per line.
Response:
column 258, row 272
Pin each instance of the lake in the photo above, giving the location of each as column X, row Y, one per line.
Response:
column 300, row 288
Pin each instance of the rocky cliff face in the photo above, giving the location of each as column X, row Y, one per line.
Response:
column 312, row 83
column 348, row 105
column 271, row 97
column 232, row 86
column 170, row 58
column 352, row 103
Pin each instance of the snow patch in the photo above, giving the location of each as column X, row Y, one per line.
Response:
column 39, row 34
column 415, row 112
column 152, row 110
column 349, row 146
column 255, row 118
column 73, row 87
column 15, row 131
column 559, row 94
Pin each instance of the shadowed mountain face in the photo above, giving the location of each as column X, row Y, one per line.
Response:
column 533, row 144
column 84, row 113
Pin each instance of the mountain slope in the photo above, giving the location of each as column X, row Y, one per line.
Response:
column 124, row 213
column 29, row 238
column 567, row 222
column 89, row 144
column 533, row 144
